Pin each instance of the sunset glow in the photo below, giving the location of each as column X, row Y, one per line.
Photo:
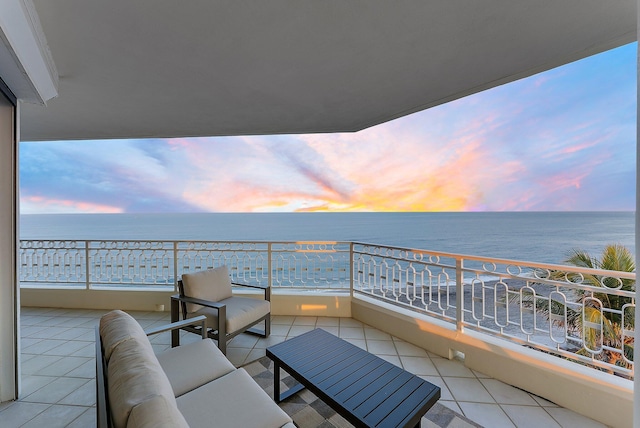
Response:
column 562, row 140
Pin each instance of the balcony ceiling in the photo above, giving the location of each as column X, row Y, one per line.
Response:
column 151, row 68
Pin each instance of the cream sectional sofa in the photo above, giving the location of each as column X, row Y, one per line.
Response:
column 193, row 385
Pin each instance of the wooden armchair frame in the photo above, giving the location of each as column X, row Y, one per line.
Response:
column 179, row 305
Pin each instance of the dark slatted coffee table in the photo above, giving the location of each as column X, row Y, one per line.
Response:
column 365, row 389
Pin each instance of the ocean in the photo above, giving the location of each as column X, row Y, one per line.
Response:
column 546, row 237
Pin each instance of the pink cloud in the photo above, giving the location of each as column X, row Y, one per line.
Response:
column 39, row 204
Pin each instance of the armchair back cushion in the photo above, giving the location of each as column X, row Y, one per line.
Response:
column 213, row 285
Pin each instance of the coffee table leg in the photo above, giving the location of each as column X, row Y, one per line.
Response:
column 277, row 397
column 276, row 381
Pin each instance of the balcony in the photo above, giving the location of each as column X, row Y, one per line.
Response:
column 470, row 324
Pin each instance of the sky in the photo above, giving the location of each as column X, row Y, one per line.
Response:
column 562, row 140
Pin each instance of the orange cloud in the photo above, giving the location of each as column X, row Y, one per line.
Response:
column 37, row 204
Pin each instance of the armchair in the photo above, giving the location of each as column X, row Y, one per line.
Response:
column 209, row 293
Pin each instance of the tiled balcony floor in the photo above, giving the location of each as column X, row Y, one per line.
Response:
column 58, row 370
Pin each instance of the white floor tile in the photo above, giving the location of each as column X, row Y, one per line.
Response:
column 468, row 389
column 280, row 329
column 375, row 334
column 21, row 412
column 282, row 320
column 56, row 390
column 351, row 332
column 409, row 350
column 445, row 394
column 297, row 330
column 360, row 343
column 264, row 343
column 419, row 365
column 381, row 347
column 452, row 368
column 529, row 416
column 567, row 418
column 350, row 322
column 83, row 396
column 87, row 419
column 328, row 322
column 330, row 329
column 243, row 341
column 487, row 415
column 305, row 321
column 507, row 394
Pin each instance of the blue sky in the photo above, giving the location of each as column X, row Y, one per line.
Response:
column 563, row 140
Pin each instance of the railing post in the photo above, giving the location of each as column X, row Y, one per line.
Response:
column 269, row 265
column 86, row 265
column 351, row 265
column 459, row 295
column 175, row 265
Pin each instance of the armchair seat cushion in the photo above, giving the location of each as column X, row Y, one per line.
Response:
column 226, row 399
column 241, row 311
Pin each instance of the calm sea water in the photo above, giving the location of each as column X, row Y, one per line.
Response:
column 529, row 236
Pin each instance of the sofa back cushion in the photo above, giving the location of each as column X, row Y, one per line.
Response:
column 116, row 327
column 134, row 374
column 156, row 412
column 213, row 285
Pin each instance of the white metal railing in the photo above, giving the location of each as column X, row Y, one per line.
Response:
column 93, row 264
column 576, row 313
column 581, row 314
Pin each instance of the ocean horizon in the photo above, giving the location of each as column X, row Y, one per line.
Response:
column 546, row 237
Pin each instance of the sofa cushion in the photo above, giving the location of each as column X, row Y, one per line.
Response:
column 190, row 366
column 156, row 412
column 241, row 311
column 134, row 376
column 234, row 400
column 116, row 327
column 211, row 284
